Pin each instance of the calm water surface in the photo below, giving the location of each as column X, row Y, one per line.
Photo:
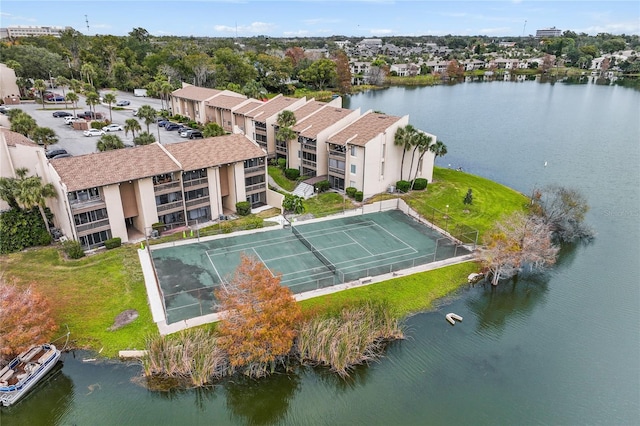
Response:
column 562, row 348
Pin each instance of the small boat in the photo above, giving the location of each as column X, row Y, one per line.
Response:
column 24, row 371
column 452, row 318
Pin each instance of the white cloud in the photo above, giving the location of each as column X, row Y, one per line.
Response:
column 381, row 31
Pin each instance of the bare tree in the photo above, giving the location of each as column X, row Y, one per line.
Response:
column 517, row 243
column 564, row 210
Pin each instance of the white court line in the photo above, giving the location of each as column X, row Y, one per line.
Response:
column 413, row 251
column 234, row 248
column 215, row 269
column 351, row 238
column 263, row 262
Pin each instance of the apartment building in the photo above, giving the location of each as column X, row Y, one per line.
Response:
column 363, row 155
column 122, row 193
column 191, row 101
column 31, row 31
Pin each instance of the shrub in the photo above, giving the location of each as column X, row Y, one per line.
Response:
column 226, row 227
column 359, row 196
column 73, row 249
column 419, row 184
column 254, row 222
column 98, row 124
column 403, row 186
column 193, row 124
column 282, row 163
column 292, row 174
column 468, row 198
column 20, row 229
column 351, row 191
column 243, row 208
column 158, row 227
column 323, row 186
column 112, row 243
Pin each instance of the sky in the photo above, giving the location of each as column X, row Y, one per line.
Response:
column 309, row 18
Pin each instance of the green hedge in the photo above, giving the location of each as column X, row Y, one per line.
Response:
column 243, row 208
column 419, row 184
column 323, row 186
column 112, row 243
column 73, row 249
column 358, row 196
column 292, row 174
column 20, row 229
column 403, row 186
column 351, row 191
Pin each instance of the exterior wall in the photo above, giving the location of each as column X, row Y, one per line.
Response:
column 62, row 217
column 275, row 199
column 322, row 149
column 228, row 182
column 215, row 197
column 111, row 195
column 238, row 182
column 146, row 200
column 8, row 86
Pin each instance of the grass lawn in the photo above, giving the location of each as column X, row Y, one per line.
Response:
column 87, row 294
column 327, row 203
column 281, row 180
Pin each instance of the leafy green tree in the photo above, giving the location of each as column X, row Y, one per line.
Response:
column 320, row 73
column 131, row 125
column 144, row 138
column 75, row 85
column 293, row 204
column 110, row 99
column 23, row 123
column 468, row 198
column 212, row 129
column 63, row 82
column 286, row 120
column 8, row 191
column 41, row 87
column 73, row 98
column 231, row 67
column 44, row 136
column 254, row 89
column 148, row 114
column 343, row 72
column 88, row 72
column 109, row 142
column 36, row 62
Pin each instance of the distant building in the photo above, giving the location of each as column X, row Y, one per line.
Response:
column 548, row 32
column 31, row 31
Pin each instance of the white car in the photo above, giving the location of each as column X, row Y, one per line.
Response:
column 112, row 128
column 93, row 132
column 69, row 120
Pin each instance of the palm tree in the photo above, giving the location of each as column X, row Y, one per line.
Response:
column 73, row 98
column 75, row 85
column 109, row 142
column 144, row 138
column 212, row 129
column 88, row 72
column 165, row 91
column 32, row 193
column 148, row 114
column 44, row 136
column 404, row 138
column 92, row 99
column 109, row 98
column 63, row 82
column 23, row 123
column 8, row 191
column 423, row 143
column 40, row 87
column 286, row 120
column 439, row 149
column 131, row 125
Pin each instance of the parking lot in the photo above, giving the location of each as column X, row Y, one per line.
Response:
column 75, row 142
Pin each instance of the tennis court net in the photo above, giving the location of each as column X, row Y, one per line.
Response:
column 317, row 254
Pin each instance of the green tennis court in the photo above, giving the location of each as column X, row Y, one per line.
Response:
column 318, row 254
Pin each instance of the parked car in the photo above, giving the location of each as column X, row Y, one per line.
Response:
column 57, row 98
column 135, row 112
column 69, row 120
column 172, row 126
column 90, row 115
column 93, row 132
column 4, row 109
column 54, row 152
column 112, row 128
column 55, row 157
column 123, row 103
column 162, row 123
column 191, row 134
column 62, row 114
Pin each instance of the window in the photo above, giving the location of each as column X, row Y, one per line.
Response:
column 353, row 169
column 96, row 239
column 84, row 195
column 88, row 217
column 353, row 151
column 194, row 174
column 298, row 153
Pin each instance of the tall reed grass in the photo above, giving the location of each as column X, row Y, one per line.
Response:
column 192, row 355
column 356, row 335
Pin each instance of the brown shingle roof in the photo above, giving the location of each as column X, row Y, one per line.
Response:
column 195, row 93
column 308, row 109
column 314, row 124
column 111, row 167
column 14, row 138
column 363, row 129
column 202, row 153
column 271, row 107
column 225, row 101
column 252, row 104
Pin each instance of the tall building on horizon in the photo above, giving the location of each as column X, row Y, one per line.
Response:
column 548, row 32
column 31, row 31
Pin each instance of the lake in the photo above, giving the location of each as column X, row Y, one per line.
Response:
column 559, row 348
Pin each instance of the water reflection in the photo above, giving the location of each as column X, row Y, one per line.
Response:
column 495, row 306
column 358, row 377
column 47, row 403
column 264, row 401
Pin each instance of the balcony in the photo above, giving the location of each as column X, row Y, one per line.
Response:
column 254, row 169
column 197, row 202
column 308, row 147
column 309, row 163
column 88, row 204
column 336, row 170
column 92, row 225
column 170, row 206
column 255, row 187
column 196, row 182
column 281, row 149
column 165, row 187
column 335, row 153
